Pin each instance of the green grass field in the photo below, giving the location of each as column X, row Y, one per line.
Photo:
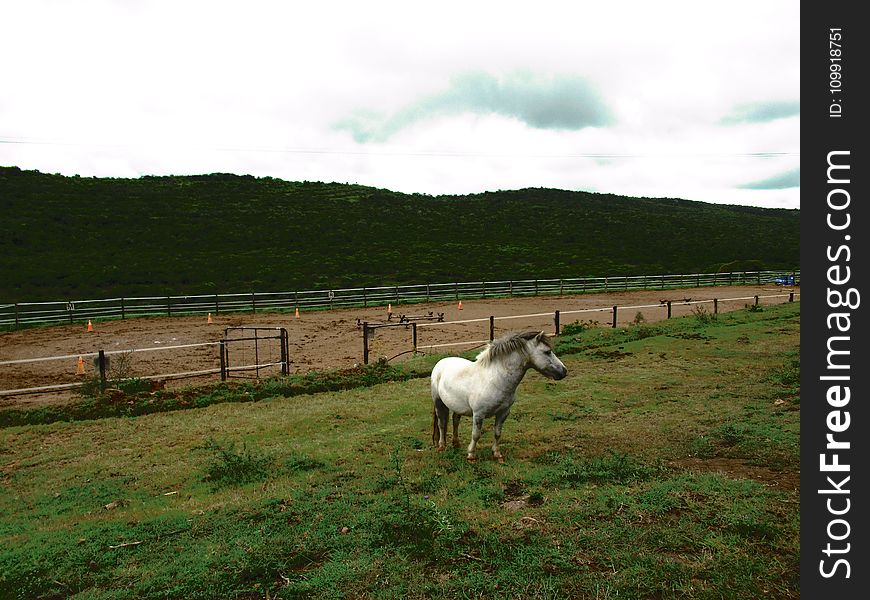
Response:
column 665, row 466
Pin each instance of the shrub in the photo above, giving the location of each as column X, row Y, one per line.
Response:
column 230, row 467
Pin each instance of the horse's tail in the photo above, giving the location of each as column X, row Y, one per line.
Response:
column 435, row 433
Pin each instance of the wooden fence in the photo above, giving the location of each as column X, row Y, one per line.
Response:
column 224, row 368
column 369, row 328
column 20, row 314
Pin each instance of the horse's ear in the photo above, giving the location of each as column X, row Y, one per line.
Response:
column 539, row 336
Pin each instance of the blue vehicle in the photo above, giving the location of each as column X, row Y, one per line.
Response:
column 784, row 280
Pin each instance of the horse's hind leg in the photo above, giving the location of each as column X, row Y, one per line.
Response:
column 441, row 413
column 496, row 431
column 456, row 418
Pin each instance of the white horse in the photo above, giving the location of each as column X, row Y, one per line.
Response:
column 487, row 386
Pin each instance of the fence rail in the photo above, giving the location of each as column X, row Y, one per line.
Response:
column 415, row 347
column 70, row 311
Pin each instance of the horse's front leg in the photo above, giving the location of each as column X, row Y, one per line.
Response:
column 499, row 421
column 476, row 431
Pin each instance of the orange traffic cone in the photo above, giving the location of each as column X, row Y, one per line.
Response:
column 460, row 305
column 210, row 320
column 297, row 312
column 80, row 366
column 90, row 327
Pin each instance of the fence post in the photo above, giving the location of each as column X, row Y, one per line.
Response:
column 223, row 352
column 456, row 289
column 614, row 316
column 669, row 309
column 102, row 364
column 256, row 355
column 715, row 306
column 427, row 294
column 756, row 300
column 561, row 287
column 217, row 305
column 483, row 284
column 123, row 311
column 491, row 328
column 285, row 353
column 791, row 297
column 69, row 310
column 169, row 305
column 511, row 288
column 556, row 319
column 414, row 336
column 16, row 316
column 253, row 302
column 365, row 342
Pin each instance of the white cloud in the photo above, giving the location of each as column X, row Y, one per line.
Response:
column 124, row 88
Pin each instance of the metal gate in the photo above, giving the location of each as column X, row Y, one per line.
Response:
column 245, row 352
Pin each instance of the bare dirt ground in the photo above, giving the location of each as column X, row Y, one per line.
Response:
column 321, row 340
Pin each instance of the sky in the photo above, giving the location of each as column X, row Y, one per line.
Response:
column 694, row 100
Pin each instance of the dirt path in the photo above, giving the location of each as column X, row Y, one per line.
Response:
column 323, row 339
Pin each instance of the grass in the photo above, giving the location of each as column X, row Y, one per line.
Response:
column 132, row 397
column 672, row 473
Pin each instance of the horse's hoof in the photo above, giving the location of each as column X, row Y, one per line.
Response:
column 471, row 459
column 440, row 449
column 500, row 459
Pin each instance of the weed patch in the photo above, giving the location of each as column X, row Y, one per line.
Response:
column 231, row 467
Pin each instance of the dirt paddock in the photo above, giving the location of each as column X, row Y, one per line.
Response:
column 323, row 339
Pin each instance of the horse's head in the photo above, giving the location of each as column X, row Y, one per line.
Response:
column 543, row 359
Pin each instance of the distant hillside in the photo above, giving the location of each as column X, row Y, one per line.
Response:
column 75, row 237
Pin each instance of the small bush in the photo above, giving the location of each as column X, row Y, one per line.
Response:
column 578, row 327
column 703, row 316
column 230, row 467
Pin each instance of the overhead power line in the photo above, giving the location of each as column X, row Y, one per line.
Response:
column 388, row 152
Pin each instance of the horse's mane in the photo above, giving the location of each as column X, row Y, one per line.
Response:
column 507, row 344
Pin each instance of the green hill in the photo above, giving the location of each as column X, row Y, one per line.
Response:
column 76, row 237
